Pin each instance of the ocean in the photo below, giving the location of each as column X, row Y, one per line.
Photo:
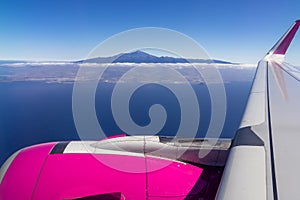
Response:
column 33, row 112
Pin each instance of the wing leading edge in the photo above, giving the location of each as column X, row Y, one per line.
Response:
column 264, row 160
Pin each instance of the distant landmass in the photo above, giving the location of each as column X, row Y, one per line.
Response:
column 66, row 72
column 143, row 57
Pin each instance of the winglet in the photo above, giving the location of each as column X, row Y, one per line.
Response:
column 282, row 45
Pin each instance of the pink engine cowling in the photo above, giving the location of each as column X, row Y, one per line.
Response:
column 46, row 172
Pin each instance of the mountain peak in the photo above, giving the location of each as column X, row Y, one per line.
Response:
column 137, row 57
column 137, row 53
column 143, row 57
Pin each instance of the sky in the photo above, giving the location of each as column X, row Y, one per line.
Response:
column 61, row 30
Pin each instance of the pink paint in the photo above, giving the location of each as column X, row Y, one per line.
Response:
column 67, row 176
column 22, row 175
column 71, row 176
column 285, row 43
column 167, row 198
column 173, row 180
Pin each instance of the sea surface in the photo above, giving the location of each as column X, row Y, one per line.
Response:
column 36, row 112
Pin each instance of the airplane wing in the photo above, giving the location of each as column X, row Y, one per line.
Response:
column 264, row 159
column 261, row 162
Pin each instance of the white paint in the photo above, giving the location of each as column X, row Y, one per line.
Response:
column 184, row 150
column 255, row 111
column 244, row 175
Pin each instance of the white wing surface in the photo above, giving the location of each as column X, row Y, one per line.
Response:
column 264, row 161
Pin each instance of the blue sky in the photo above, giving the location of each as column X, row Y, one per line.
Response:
column 234, row 30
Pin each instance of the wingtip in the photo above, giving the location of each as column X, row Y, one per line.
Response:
column 282, row 45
